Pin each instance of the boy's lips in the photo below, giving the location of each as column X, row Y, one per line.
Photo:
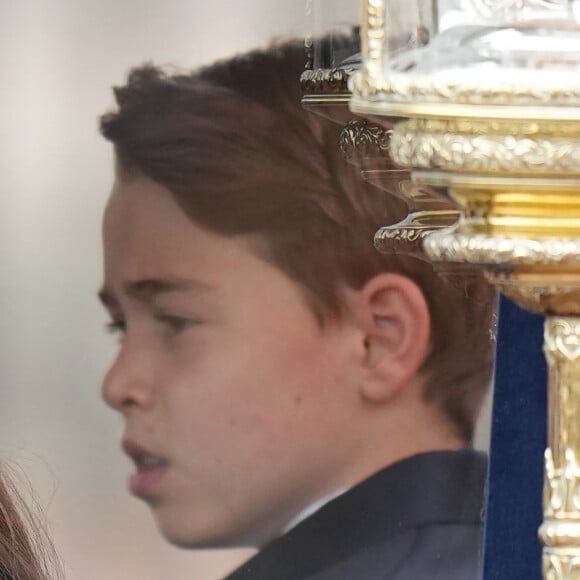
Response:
column 150, row 469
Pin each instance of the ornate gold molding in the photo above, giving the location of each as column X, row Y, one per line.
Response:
column 325, row 81
column 542, row 294
column 408, row 236
column 560, row 567
column 373, row 38
column 360, row 139
column 506, row 147
column 405, row 237
column 484, row 153
column 560, row 532
column 507, row 94
column 458, row 246
column 521, row 89
column 474, row 127
column 562, row 345
column 561, row 493
column 562, row 349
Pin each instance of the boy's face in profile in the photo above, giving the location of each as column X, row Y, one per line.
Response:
column 233, row 397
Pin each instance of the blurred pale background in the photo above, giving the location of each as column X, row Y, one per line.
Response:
column 57, row 62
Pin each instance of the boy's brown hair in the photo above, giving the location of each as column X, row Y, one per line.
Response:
column 240, row 156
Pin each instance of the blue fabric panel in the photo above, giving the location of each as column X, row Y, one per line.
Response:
column 518, row 439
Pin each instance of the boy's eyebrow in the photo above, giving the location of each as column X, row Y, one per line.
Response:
column 148, row 289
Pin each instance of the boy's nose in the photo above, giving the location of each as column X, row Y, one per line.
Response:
column 126, row 384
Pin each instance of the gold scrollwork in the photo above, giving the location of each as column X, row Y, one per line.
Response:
column 375, row 31
column 562, row 487
column 561, row 567
column 373, row 38
column 393, row 237
column 562, row 343
column 401, row 240
column 360, row 139
column 325, row 81
column 484, row 153
column 538, row 295
column 408, row 236
column 525, row 90
column 562, row 350
column 455, row 246
column 560, row 531
column 474, row 127
column 374, row 85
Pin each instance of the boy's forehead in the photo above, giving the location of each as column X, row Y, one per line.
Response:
column 137, row 203
column 148, row 236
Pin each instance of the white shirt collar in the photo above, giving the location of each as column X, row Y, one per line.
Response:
column 310, row 509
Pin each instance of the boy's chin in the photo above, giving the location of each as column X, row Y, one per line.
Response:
column 188, row 537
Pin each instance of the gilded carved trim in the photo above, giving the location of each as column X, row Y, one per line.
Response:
column 561, row 492
column 522, row 90
column 560, row 532
column 562, row 349
column 360, row 138
column 325, row 81
column 484, row 153
column 401, row 240
column 373, row 39
column 538, row 294
column 507, row 147
column 408, row 236
column 521, row 128
column 455, row 246
column 375, row 35
column 560, row 567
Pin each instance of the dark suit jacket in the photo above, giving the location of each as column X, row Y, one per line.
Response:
column 418, row 519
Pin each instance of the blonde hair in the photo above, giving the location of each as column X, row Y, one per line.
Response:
column 26, row 552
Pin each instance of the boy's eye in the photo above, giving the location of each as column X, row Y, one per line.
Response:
column 175, row 323
column 117, row 326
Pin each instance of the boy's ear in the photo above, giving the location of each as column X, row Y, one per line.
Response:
column 395, row 321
